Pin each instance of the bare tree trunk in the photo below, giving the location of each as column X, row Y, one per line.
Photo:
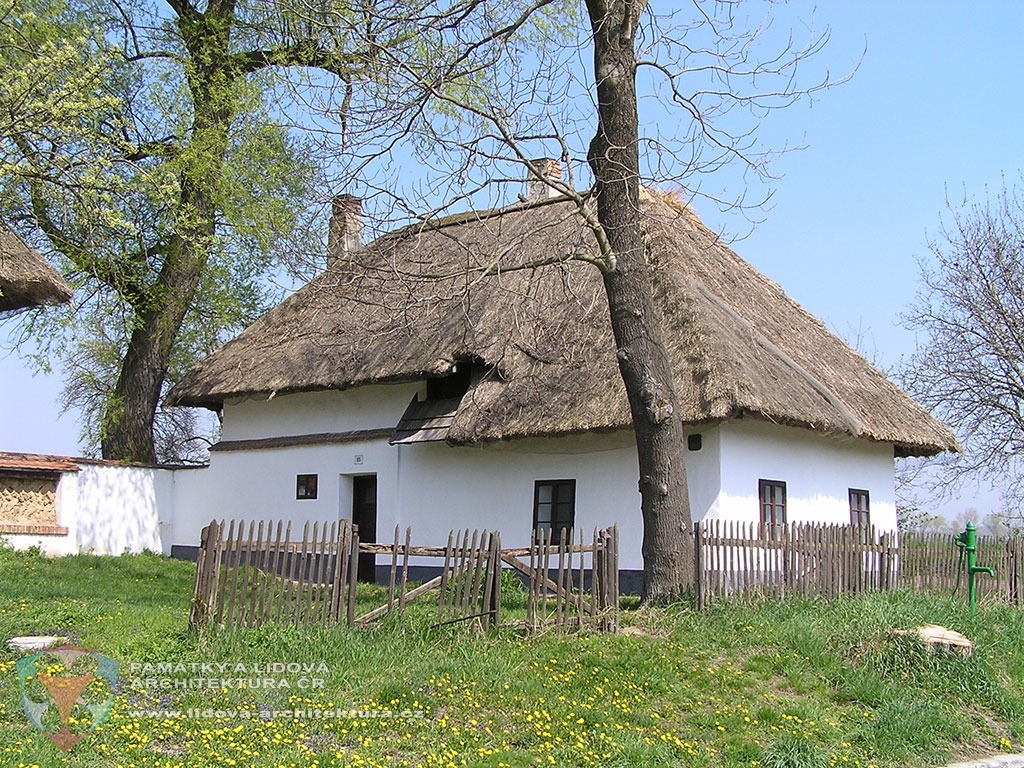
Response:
column 636, row 323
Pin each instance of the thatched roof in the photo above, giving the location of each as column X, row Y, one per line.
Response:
column 26, row 278
column 405, row 308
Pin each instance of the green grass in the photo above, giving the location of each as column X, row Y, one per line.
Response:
column 790, row 685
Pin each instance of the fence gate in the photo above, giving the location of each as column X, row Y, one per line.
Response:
column 248, row 578
column 250, row 575
column 570, row 584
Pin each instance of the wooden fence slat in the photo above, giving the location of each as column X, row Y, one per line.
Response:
column 301, row 584
column 394, row 569
column 327, row 581
column 462, row 582
column 317, row 586
column 545, row 543
column 478, row 573
column 338, row 577
column 244, row 569
column 200, row 597
column 448, row 552
column 488, row 589
column 223, row 587
column 270, row 581
column 614, row 626
column 496, row 566
column 580, row 609
column 353, row 577
column 285, row 572
column 405, row 570
column 255, row 562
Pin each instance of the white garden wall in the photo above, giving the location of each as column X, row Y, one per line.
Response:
column 108, row 510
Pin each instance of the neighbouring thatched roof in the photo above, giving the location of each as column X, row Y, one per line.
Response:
column 26, row 278
column 412, row 305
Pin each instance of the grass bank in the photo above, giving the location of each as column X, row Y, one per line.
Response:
column 798, row 684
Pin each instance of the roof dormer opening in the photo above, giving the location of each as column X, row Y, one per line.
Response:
column 428, row 420
column 455, row 384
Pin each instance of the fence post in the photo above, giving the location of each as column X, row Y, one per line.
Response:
column 698, row 567
column 200, row 593
column 353, row 577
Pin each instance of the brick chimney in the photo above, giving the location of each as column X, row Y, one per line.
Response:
column 345, row 232
column 540, row 190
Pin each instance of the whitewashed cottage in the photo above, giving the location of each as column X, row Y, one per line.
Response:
column 424, row 379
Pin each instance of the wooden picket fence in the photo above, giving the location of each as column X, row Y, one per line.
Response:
column 248, row 575
column 806, row 560
column 570, row 584
column 263, row 574
column 734, row 559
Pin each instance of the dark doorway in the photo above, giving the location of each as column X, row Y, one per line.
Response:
column 364, row 514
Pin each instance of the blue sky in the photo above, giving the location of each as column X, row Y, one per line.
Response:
column 934, row 111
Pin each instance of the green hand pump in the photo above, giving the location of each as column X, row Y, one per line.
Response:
column 968, row 543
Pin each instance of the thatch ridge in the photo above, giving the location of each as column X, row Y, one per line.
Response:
column 26, row 278
column 414, row 303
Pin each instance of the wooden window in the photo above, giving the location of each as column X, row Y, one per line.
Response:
column 773, row 501
column 554, row 507
column 860, row 508
column 305, row 486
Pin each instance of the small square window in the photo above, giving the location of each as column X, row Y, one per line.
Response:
column 305, row 486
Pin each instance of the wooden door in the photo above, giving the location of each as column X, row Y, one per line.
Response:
column 364, row 514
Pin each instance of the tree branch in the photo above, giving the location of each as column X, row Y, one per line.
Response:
column 305, row 53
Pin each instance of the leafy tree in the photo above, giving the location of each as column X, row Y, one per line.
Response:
column 52, row 70
column 969, row 364
column 180, row 182
column 143, row 169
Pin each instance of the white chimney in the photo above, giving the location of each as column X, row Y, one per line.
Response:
column 345, row 232
column 537, row 189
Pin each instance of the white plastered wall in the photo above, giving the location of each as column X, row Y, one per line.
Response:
column 818, row 472
column 108, row 510
column 434, row 487
column 306, row 413
column 260, row 484
column 430, row 487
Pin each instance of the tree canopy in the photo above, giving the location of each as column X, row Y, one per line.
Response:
column 151, row 146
